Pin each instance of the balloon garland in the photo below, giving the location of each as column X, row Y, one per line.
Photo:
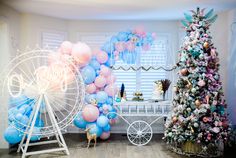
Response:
column 126, row 45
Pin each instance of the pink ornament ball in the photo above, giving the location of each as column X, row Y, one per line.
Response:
column 105, row 71
column 91, row 88
column 81, row 53
column 105, row 135
column 102, row 57
column 66, row 47
column 90, row 113
column 201, row 83
column 100, row 81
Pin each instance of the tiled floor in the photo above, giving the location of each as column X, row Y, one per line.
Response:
column 117, row 146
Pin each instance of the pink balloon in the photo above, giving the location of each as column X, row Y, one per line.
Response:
column 105, row 135
column 111, row 90
column 116, row 53
column 81, row 53
column 130, row 46
column 120, row 46
column 105, row 71
column 146, row 47
column 90, row 113
column 112, row 121
column 66, row 47
column 91, row 88
column 154, row 36
column 102, row 57
column 111, row 79
column 140, row 31
column 100, row 81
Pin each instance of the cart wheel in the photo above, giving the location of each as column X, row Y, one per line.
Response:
column 139, row 133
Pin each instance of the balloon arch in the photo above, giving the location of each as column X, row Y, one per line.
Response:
column 100, row 81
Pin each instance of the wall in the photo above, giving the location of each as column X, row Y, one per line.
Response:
column 220, row 37
column 9, row 41
column 231, row 82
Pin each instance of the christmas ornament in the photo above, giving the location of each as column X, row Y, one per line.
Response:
column 201, row 83
column 206, row 45
column 197, row 103
column 184, row 72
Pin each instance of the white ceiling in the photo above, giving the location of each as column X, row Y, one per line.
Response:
column 117, row 9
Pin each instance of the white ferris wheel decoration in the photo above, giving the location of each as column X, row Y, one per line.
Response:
column 55, row 93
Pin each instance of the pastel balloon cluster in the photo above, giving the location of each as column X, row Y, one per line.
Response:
column 100, row 87
column 125, row 45
column 19, row 116
column 100, row 90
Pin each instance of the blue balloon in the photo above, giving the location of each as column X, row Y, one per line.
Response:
column 102, row 121
column 18, row 117
column 95, row 64
column 114, row 39
column 88, row 73
column 108, row 47
column 110, row 62
column 94, row 129
column 36, row 134
column 18, row 101
column 39, row 123
column 12, row 135
column 109, row 100
column 122, row 36
column 101, row 97
column 80, row 122
column 113, row 114
column 90, row 97
column 99, row 104
column 25, row 120
column 106, row 128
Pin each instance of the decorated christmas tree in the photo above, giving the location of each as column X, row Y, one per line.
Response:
column 198, row 124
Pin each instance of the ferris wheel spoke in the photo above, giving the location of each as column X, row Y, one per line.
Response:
column 59, row 102
column 53, row 101
column 29, row 70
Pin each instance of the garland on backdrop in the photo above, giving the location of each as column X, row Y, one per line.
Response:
column 124, row 68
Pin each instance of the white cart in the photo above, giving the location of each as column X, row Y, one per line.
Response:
column 140, row 132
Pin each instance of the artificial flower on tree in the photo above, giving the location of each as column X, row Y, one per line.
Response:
column 198, row 124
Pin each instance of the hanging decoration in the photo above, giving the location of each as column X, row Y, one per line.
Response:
column 126, row 45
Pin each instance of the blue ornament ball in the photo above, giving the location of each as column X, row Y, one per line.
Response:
column 101, row 97
column 12, row 135
column 80, row 122
column 88, row 73
column 102, row 121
